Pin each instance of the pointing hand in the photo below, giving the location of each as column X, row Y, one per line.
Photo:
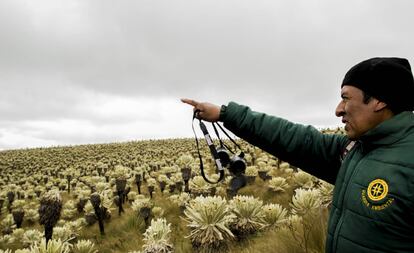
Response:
column 206, row 111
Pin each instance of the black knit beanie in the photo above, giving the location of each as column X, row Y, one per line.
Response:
column 390, row 80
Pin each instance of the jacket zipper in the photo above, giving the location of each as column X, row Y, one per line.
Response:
column 341, row 218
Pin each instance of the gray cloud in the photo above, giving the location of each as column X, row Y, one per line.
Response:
column 60, row 61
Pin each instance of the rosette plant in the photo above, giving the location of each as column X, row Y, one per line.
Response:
column 31, row 215
column 151, row 184
column 142, row 207
column 8, row 224
column 251, row 173
column 90, row 216
column 305, row 201
column 248, row 211
column 263, row 169
column 181, row 200
column 52, row 246
column 199, row 186
column 303, row 179
column 176, row 182
column 69, row 210
column 17, row 235
column 307, row 228
column 162, row 181
column 326, row 192
column 63, row 233
column 101, row 204
column 120, row 174
column 278, row 184
column 139, row 171
column 84, row 246
column 101, row 168
column 185, row 162
column 31, row 237
column 157, row 212
column 49, row 212
column 208, row 219
column 11, row 195
column 157, row 237
column 18, row 212
column 274, row 215
column 69, row 173
column 131, row 196
column 284, row 166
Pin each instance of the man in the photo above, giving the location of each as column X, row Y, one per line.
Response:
column 372, row 166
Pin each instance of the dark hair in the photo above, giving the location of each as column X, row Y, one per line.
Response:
column 366, row 98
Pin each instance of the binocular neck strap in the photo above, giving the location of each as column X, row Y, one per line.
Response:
column 218, row 137
column 228, row 136
column 212, row 150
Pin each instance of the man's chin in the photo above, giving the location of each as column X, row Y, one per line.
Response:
column 352, row 138
column 350, row 135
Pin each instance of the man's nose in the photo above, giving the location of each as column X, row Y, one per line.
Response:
column 339, row 111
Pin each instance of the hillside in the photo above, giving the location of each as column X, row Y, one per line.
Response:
column 126, row 186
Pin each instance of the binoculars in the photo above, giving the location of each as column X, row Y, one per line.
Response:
column 234, row 163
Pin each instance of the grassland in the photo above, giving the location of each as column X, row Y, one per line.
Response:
column 32, row 171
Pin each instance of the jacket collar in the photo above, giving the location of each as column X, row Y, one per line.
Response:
column 389, row 131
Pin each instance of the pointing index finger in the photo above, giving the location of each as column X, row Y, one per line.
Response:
column 189, row 101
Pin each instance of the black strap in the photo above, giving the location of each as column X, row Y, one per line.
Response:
column 212, row 150
column 228, row 136
column 222, row 144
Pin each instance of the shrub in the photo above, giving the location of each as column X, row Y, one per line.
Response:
column 209, row 220
column 199, row 186
column 251, row 171
column 273, row 215
column 326, row 192
column 31, row 237
column 49, row 212
column 84, row 246
column 52, row 246
column 303, row 179
column 248, row 211
column 305, row 202
column 157, row 237
column 278, row 184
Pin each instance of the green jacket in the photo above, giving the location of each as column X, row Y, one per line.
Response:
column 373, row 202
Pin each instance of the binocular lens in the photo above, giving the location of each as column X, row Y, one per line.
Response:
column 224, row 157
column 238, row 166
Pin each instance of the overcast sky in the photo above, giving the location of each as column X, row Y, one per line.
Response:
column 78, row 71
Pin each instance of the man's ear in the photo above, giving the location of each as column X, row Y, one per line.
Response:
column 379, row 105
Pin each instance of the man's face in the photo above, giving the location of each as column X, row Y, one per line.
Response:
column 358, row 117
